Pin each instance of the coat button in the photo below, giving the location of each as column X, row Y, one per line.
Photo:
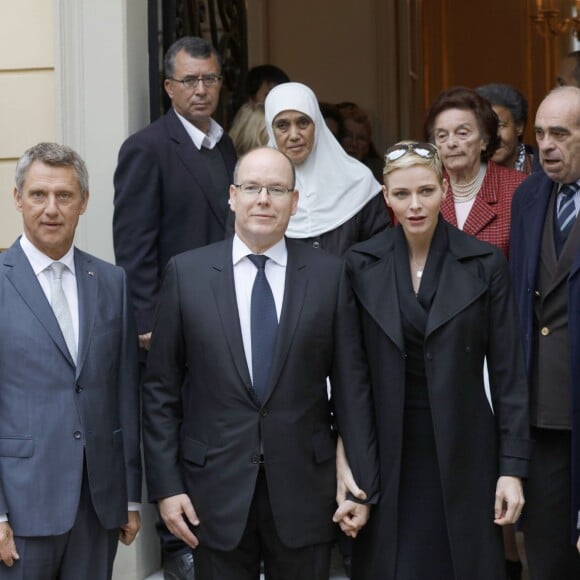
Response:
column 545, row 331
column 78, row 388
column 316, row 245
column 77, row 435
column 255, row 459
column 264, row 412
column 429, row 356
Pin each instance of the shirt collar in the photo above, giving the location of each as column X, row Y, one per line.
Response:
column 199, row 138
column 40, row 261
column 562, row 185
column 277, row 253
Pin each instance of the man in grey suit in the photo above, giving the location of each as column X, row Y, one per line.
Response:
column 238, row 429
column 70, row 474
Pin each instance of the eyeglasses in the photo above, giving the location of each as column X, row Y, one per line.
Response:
column 255, row 189
column 425, row 150
column 192, row 82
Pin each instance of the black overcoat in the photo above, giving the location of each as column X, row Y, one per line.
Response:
column 472, row 317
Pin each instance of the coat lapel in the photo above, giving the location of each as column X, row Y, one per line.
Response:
column 457, row 289
column 224, row 292
column 195, row 165
column 21, row 276
column 87, row 288
column 481, row 214
column 376, row 289
column 533, row 215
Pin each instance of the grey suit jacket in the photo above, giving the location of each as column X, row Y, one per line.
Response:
column 54, row 416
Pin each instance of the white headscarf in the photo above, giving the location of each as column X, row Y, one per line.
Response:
column 333, row 185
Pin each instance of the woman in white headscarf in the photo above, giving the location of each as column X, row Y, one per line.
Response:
column 340, row 201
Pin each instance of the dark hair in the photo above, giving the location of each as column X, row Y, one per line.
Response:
column 508, row 97
column 575, row 72
column 330, row 111
column 466, row 100
column 195, row 47
column 264, row 73
column 54, row 155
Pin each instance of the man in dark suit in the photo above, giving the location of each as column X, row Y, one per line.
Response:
column 171, row 194
column 69, row 390
column 238, row 428
column 545, row 265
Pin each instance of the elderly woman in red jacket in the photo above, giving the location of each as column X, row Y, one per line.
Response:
column 464, row 128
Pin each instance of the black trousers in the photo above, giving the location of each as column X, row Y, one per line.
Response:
column 260, row 541
column 547, row 514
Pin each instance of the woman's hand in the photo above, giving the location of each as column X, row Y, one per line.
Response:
column 509, row 500
column 344, row 479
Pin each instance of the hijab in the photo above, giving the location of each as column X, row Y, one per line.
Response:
column 333, row 186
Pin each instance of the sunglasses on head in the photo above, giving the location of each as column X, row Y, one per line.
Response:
column 425, row 150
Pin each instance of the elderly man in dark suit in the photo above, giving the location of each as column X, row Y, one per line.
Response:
column 171, row 194
column 69, row 388
column 238, row 431
column 545, row 264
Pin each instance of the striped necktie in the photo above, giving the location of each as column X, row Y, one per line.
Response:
column 566, row 212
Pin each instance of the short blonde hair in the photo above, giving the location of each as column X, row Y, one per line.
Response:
column 410, row 159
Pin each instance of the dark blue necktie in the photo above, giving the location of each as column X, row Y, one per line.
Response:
column 566, row 214
column 264, row 327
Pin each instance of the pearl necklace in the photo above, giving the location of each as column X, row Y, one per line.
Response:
column 462, row 193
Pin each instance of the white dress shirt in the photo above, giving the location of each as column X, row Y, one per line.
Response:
column 199, row 138
column 41, row 263
column 244, row 276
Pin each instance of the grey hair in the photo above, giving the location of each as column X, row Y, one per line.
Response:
column 54, row 155
column 195, row 47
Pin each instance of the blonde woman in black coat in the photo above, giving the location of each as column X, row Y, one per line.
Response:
column 434, row 302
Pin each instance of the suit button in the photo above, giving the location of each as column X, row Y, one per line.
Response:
column 316, row 245
column 429, row 356
column 79, row 388
column 77, row 435
column 545, row 331
column 264, row 412
column 255, row 459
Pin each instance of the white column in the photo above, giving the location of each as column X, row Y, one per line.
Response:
column 102, row 95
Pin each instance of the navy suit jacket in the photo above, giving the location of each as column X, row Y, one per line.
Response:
column 204, row 438
column 54, row 415
column 530, row 204
column 165, row 203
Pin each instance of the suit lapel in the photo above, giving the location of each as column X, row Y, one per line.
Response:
column 295, row 287
column 192, row 160
column 87, row 289
column 224, row 292
column 22, row 278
